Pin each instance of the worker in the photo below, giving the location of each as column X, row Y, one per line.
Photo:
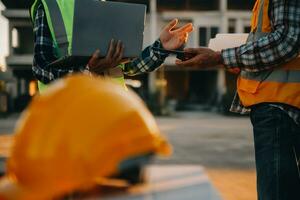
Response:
column 63, row 146
column 46, row 49
column 268, row 87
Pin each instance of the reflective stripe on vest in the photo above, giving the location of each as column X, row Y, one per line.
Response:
column 279, row 85
column 42, row 87
column 59, row 14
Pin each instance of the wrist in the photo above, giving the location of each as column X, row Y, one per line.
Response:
column 86, row 70
column 219, row 58
column 161, row 55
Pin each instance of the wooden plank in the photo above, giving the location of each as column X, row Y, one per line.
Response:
column 168, row 182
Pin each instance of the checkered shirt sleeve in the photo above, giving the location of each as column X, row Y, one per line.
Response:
column 279, row 47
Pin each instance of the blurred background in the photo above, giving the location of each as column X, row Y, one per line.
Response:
column 191, row 105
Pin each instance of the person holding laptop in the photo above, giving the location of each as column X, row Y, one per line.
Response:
column 151, row 58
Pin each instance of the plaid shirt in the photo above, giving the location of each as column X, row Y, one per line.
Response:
column 44, row 54
column 279, row 47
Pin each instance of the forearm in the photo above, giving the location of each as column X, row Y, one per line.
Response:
column 271, row 51
column 148, row 61
column 44, row 55
column 46, row 74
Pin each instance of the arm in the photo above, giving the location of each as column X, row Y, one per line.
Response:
column 279, row 47
column 44, row 52
column 171, row 38
column 148, row 61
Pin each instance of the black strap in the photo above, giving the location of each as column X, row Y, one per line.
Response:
column 58, row 27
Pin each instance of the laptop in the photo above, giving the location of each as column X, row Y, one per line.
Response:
column 97, row 22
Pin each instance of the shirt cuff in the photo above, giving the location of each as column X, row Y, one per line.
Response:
column 230, row 58
column 160, row 55
column 85, row 70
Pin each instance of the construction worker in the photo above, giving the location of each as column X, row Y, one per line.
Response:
column 269, row 88
column 47, row 47
column 62, row 147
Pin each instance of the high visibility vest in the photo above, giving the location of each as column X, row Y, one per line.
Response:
column 278, row 85
column 60, row 14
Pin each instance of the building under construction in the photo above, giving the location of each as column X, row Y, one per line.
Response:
column 170, row 87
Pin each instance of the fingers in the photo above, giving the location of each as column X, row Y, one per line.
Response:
column 185, row 38
column 185, row 29
column 111, row 49
column 194, row 50
column 195, row 61
column 112, row 59
column 118, row 52
column 119, row 59
column 171, row 25
column 94, row 59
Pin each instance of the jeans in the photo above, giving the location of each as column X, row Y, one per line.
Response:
column 275, row 137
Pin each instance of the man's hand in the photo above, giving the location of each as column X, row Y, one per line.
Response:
column 173, row 38
column 202, row 58
column 113, row 58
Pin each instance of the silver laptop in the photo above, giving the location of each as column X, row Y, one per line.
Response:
column 97, row 22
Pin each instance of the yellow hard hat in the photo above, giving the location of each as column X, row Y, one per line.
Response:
column 79, row 131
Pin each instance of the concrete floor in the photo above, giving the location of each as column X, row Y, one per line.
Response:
column 209, row 139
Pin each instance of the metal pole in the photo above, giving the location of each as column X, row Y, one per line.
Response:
column 223, row 10
column 153, row 28
column 239, row 25
column 221, row 81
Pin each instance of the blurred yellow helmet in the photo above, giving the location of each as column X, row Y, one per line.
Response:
column 79, row 131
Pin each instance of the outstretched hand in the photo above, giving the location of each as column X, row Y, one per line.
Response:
column 173, row 38
column 203, row 58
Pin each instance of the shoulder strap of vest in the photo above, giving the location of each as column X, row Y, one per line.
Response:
column 58, row 25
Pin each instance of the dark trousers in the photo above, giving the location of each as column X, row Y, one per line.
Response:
column 276, row 136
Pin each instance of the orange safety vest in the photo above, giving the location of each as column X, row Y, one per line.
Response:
column 279, row 85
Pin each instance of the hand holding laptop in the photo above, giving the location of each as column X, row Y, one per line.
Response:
column 97, row 64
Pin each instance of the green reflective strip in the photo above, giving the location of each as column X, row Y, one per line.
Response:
column 122, row 66
column 57, row 25
column 33, row 9
column 281, row 76
column 120, row 80
column 42, row 87
column 67, row 7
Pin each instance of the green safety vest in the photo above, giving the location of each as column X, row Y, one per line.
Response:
column 60, row 15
